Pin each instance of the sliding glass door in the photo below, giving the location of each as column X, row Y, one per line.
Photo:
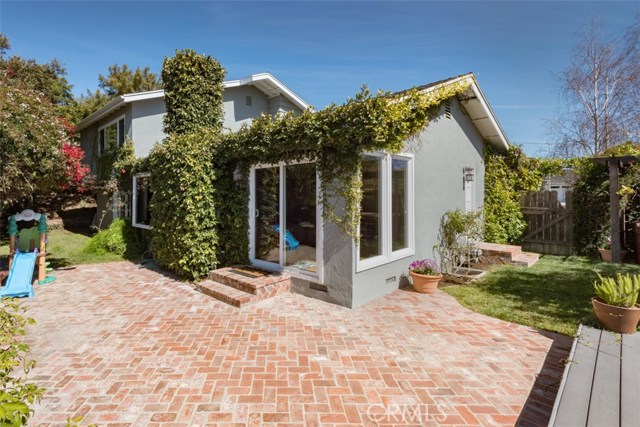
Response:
column 284, row 229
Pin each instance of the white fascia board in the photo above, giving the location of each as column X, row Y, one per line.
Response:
column 499, row 138
column 117, row 103
column 273, row 82
column 140, row 96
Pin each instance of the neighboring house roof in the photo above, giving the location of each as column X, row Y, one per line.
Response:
column 478, row 108
column 265, row 82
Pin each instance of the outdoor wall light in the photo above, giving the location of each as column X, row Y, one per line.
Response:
column 237, row 175
column 469, row 174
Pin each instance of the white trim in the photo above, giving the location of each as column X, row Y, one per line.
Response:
column 279, row 266
column 388, row 255
column 253, row 80
column 116, row 121
column 134, row 202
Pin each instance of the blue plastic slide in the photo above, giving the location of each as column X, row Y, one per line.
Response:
column 19, row 282
column 290, row 241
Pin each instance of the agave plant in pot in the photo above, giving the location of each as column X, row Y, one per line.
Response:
column 425, row 275
column 616, row 305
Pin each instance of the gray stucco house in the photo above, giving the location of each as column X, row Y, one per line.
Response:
column 138, row 116
column 405, row 195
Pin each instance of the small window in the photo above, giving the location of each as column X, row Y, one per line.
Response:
column 248, row 101
column 111, row 136
column 101, row 142
column 141, row 213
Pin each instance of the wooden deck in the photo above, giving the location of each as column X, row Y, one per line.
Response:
column 601, row 383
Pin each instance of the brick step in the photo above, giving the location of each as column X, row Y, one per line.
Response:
column 525, row 259
column 224, row 293
column 495, row 249
column 248, row 279
column 496, row 254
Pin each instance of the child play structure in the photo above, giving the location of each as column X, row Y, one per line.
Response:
column 24, row 255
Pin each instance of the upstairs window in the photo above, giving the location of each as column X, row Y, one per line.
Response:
column 111, row 136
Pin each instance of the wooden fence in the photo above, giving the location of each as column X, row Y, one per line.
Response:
column 549, row 223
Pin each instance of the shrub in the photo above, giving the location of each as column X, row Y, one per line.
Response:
column 120, row 238
column 16, row 392
column 183, row 212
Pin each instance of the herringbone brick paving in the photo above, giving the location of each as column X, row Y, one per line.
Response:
column 127, row 346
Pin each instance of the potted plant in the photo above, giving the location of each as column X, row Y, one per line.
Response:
column 425, row 275
column 605, row 250
column 616, row 305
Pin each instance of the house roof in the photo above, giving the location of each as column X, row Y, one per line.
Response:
column 265, row 82
column 478, row 108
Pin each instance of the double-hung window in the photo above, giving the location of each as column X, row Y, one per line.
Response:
column 111, row 136
column 386, row 212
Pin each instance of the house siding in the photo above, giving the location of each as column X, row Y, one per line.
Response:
column 147, row 117
column 441, row 152
column 236, row 110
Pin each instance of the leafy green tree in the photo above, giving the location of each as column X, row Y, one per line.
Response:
column 122, row 79
column 31, row 139
column 48, row 79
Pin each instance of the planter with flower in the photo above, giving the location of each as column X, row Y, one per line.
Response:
column 616, row 306
column 605, row 250
column 425, row 275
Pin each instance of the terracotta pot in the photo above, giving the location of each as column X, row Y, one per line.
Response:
column 605, row 254
column 622, row 320
column 424, row 283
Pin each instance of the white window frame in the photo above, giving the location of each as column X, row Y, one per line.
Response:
column 134, row 203
column 116, row 121
column 388, row 255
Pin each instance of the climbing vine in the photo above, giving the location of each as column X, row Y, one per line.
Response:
column 199, row 176
column 508, row 175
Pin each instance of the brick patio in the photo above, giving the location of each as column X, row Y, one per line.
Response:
column 128, row 346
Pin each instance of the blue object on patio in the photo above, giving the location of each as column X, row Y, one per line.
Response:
column 291, row 242
column 19, row 282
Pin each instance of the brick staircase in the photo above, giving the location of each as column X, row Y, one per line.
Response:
column 495, row 254
column 242, row 285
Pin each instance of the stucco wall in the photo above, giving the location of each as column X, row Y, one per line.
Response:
column 441, row 151
column 236, row 110
column 147, row 130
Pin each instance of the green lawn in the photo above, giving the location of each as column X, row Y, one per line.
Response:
column 65, row 248
column 555, row 294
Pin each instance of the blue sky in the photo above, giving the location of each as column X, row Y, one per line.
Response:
column 325, row 51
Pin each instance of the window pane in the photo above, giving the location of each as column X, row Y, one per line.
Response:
column 120, row 133
column 101, row 142
column 300, row 203
column 111, row 137
column 399, row 208
column 267, row 214
column 371, row 209
column 143, row 196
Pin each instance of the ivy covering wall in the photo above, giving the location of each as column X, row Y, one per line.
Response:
column 507, row 176
column 199, row 211
column 183, row 206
